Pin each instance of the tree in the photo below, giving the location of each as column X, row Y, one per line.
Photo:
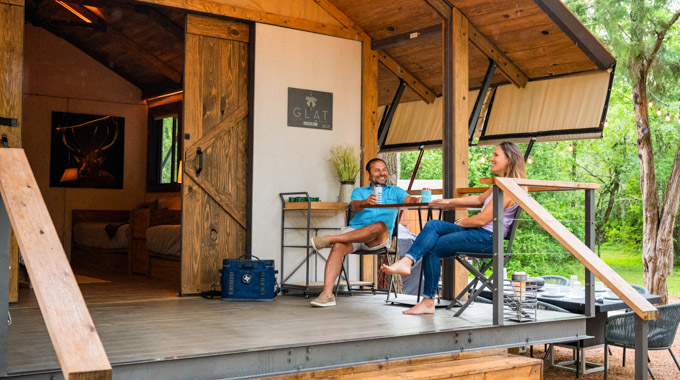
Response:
column 637, row 32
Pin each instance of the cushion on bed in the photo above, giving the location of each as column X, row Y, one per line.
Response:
column 164, row 239
column 93, row 235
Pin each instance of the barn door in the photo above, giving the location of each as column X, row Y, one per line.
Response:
column 214, row 189
column 11, row 74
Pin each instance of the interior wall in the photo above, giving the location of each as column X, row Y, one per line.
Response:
column 59, row 77
column 288, row 159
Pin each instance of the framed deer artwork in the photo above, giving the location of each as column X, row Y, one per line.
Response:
column 87, row 151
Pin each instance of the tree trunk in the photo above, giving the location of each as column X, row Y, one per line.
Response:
column 393, row 166
column 654, row 261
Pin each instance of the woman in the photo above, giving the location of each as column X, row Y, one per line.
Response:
column 441, row 239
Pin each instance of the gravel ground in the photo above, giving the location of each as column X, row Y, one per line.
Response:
column 661, row 362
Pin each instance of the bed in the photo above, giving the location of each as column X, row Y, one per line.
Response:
column 156, row 235
column 101, row 238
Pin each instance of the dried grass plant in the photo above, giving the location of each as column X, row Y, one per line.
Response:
column 345, row 160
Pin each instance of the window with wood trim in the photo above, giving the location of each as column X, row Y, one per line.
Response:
column 165, row 148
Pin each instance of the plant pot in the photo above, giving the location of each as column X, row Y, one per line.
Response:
column 346, row 189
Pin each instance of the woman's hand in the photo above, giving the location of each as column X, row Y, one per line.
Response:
column 443, row 203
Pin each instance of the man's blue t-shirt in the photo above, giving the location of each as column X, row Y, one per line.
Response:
column 390, row 195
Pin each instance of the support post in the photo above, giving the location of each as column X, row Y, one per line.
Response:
column 455, row 132
column 590, row 243
column 498, row 256
column 641, row 346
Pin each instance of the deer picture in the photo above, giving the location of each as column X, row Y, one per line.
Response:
column 87, row 142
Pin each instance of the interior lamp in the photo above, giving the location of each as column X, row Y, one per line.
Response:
column 658, row 111
column 570, row 147
column 179, row 172
column 483, row 159
column 606, row 122
column 70, row 174
column 651, row 104
column 668, row 116
column 530, row 160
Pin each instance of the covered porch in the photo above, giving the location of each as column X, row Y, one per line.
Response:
column 203, row 339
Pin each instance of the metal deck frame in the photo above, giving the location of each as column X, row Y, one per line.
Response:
column 286, row 360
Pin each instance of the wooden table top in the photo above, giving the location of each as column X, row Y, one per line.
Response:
column 415, row 206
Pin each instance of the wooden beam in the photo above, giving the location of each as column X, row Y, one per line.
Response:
column 416, row 84
column 634, row 300
column 342, row 18
column 401, row 39
column 442, row 7
column 556, row 185
column 85, row 49
column 132, row 46
column 71, row 329
column 369, row 128
column 505, row 64
column 167, row 24
column 218, row 8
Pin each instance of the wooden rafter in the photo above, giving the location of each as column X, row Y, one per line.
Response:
column 132, row 46
column 505, row 64
column 85, row 49
column 411, row 80
column 442, row 7
column 418, row 86
column 400, row 39
column 221, row 9
column 509, row 69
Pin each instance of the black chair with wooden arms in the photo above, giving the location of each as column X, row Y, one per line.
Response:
column 392, row 250
column 485, row 261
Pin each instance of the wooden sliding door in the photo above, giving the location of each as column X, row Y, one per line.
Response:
column 215, row 185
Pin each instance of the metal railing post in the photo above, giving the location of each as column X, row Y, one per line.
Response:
column 5, row 233
column 641, row 345
column 498, row 256
column 590, row 243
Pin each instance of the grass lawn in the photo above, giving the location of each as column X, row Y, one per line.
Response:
column 629, row 266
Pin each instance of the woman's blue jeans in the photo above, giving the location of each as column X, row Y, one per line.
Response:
column 440, row 239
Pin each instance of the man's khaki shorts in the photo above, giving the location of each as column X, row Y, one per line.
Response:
column 363, row 246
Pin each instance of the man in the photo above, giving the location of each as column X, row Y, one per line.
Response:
column 370, row 228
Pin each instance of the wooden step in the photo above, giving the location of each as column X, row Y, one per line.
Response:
column 481, row 365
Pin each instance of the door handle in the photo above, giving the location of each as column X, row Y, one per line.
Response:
column 199, row 155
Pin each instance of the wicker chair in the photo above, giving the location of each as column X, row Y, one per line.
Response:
column 640, row 289
column 620, row 331
column 555, row 280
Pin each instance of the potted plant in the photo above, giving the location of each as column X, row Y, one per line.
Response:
column 345, row 160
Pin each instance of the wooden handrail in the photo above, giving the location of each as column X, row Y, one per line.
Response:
column 555, row 185
column 511, row 186
column 71, row 329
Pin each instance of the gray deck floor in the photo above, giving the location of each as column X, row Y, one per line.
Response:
column 190, row 327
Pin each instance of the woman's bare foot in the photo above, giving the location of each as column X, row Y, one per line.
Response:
column 402, row 267
column 426, row 306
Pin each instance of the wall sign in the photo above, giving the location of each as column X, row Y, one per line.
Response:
column 310, row 109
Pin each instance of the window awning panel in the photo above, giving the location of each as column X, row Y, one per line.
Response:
column 558, row 109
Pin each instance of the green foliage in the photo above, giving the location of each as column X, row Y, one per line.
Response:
column 430, row 165
column 345, row 160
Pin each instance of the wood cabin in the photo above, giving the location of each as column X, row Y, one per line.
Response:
column 192, row 101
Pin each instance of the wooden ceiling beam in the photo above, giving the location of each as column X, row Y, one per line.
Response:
column 80, row 46
column 219, row 8
column 167, row 24
column 514, row 74
column 511, row 71
column 342, row 18
column 442, row 7
column 411, row 80
column 400, row 39
column 419, row 87
column 129, row 44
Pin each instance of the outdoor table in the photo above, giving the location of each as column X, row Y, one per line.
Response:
column 594, row 326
